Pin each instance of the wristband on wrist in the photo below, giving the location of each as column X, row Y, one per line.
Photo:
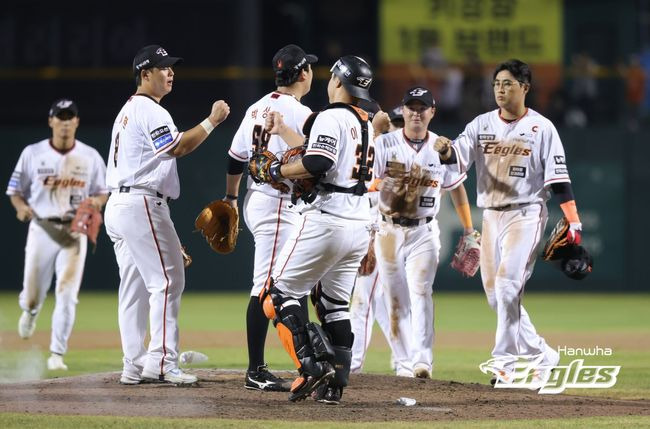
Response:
column 207, row 125
column 274, row 171
column 231, row 197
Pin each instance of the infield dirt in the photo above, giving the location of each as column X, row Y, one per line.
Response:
column 369, row 398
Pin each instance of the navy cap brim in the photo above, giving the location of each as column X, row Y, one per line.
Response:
column 168, row 62
column 311, row 59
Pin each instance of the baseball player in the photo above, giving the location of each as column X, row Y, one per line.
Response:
column 50, row 181
column 519, row 159
column 329, row 242
column 410, row 180
column 268, row 213
column 142, row 177
column 368, row 302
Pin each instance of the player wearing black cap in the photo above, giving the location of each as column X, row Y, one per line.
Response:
column 268, row 212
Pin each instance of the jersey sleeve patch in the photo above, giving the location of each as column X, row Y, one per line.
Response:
column 161, row 136
column 326, row 143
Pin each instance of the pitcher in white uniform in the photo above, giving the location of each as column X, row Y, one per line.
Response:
column 269, row 214
column 143, row 179
column 519, row 160
column 410, row 180
column 51, row 179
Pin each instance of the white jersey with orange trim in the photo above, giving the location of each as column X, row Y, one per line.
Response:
column 411, row 176
column 515, row 161
column 54, row 182
column 142, row 135
column 251, row 136
column 336, row 134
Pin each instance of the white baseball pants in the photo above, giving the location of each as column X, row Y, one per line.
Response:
column 152, row 279
column 52, row 248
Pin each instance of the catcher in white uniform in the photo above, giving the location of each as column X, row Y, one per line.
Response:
column 519, row 159
column 142, row 177
column 410, row 180
column 326, row 247
column 268, row 211
column 50, row 181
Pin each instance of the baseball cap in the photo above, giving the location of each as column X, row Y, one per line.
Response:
column 63, row 106
column 396, row 113
column 153, row 56
column 291, row 58
column 419, row 93
column 370, row 107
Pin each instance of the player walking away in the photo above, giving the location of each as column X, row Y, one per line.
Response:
column 519, row 159
column 331, row 239
column 268, row 212
column 410, row 179
column 142, row 177
column 50, row 181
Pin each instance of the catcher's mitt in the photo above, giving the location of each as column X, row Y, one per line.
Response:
column 572, row 259
column 467, row 257
column 302, row 188
column 87, row 220
column 219, row 224
column 259, row 166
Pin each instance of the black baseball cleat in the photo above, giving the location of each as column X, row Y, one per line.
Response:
column 326, row 394
column 262, row 379
column 303, row 386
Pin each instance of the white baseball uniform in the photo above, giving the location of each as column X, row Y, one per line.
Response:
column 516, row 161
column 331, row 239
column 54, row 183
column 408, row 241
column 268, row 213
column 142, row 177
column 367, row 305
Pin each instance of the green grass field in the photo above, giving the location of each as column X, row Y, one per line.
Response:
column 464, row 332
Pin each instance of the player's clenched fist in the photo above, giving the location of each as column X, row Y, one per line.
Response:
column 25, row 213
column 220, row 111
column 442, row 144
column 274, row 123
column 381, row 122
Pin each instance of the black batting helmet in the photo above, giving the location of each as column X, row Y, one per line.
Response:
column 355, row 75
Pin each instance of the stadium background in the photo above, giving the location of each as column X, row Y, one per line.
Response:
column 583, row 53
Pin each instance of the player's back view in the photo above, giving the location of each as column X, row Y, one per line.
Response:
column 268, row 212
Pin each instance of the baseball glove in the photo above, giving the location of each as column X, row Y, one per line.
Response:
column 369, row 261
column 259, row 166
column 467, row 257
column 572, row 259
column 87, row 220
column 219, row 224
column 302, row 188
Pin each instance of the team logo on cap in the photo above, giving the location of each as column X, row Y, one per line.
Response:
column 161, row 51
column 418, row 92
column 364, row 82
column 64, row 104
column 344, row 69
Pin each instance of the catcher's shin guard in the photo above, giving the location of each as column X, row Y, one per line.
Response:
column 315, row 358
column 327, row 308
column 342, row 362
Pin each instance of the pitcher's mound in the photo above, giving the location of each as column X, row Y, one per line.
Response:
column 221, row 394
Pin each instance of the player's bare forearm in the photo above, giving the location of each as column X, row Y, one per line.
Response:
column 232, row 183
column 292, row 138
column 24, row 213
column 461, row 204
column 295, row 170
